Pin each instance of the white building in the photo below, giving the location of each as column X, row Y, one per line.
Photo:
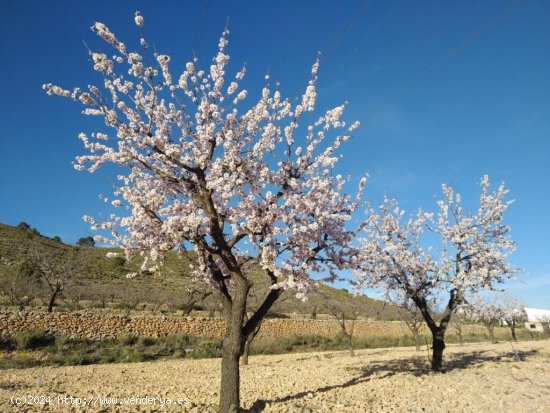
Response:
column 538, row 319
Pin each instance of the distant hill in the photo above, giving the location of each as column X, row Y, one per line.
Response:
column 96, row 280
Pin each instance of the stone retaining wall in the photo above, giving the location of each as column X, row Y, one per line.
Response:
column 96, row 324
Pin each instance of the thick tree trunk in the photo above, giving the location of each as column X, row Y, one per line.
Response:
column 230, row 386
column 236, row 334
column 438, row 332
column 232, row 349
column 438, row 345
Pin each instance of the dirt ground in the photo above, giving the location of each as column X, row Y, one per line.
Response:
column 480, row 377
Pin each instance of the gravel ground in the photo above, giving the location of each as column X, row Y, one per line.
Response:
column 480, row 378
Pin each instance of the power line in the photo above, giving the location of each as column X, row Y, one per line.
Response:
column 340, row 37
column 448, row 56
column 200, row 25
column 375, row 28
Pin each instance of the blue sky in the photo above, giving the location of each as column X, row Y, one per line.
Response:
column 446, row 91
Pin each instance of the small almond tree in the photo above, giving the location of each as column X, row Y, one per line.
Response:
column 412, row 317
column 195, row 293
column 472, row 254
column 235, row 185
column 514, row 314
column 345, row 312
column 56, row 267
column 458, row 323
column 488, row 311
column 19, row 282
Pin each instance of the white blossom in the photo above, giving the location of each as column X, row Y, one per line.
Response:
column 202, row 175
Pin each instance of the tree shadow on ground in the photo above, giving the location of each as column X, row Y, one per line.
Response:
column 416, row 365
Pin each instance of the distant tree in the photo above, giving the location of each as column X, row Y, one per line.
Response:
column 19, row 283
column 57, row 239
column 23, row 225
column 545, row 320
column 345, row 312
column 194, row 295
column 56, row 267
column 73, row 295
column 472, row 253
column 514, row 314
column 101, row 294
column 313, row 314
column 412, row 317
column 131, row 301
column 487, row 310
column 86, row 242
column 458, row 323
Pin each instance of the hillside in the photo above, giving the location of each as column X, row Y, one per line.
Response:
column 91, row 279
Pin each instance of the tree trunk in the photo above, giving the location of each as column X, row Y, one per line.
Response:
column 491, row 329
column 230, row 386
column 417, row 340
column 187, row 308
column 438, row 332
column 236, row 334
column 350, row 345
column 438, row 345
column 248, row 343
column 232, row 349
column 460, row 338
column 52, row 300
column 513, row 328
column 246, row 351
column 231, row 353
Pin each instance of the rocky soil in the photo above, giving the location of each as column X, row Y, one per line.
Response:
column 480, row 378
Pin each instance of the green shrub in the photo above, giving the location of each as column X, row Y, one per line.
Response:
column 130, row 348
column 77, row 358
column 29, row 340
column 20, row 361
column 207, row 349
column 132, row 355
column 180, row 342
column 6, row 343
column 146, row 341
column 129, row 339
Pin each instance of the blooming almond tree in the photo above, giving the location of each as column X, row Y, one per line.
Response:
column 514, row 314
column 472, row 254
column 488, row 311
column 345, row 313
column 410, row 314
column 237, row 186
column 496, row 309
column 458, row 324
